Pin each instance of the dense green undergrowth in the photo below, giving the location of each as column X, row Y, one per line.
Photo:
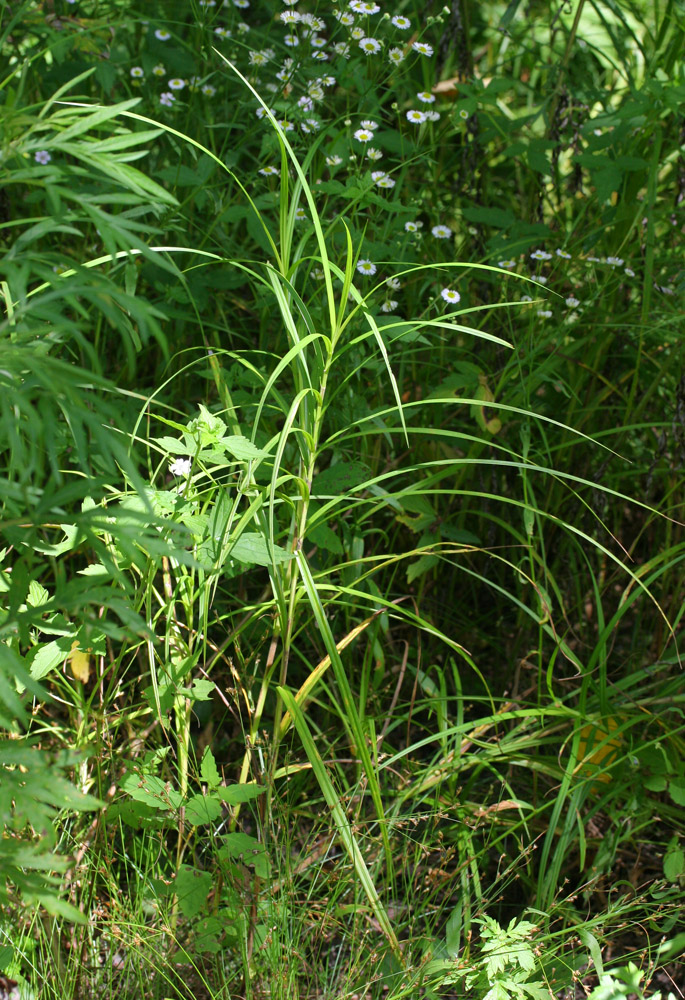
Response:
column 343, row 427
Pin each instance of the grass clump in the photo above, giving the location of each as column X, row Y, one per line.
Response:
column 342, row 435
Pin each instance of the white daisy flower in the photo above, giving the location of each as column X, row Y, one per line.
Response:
column 180, row 467
column 268, row 171
column 137, row 72
column 544, row 313
column 317, row 42
column 167, row 99
column 315, row 91
column 222, row 32
column 322, row 56
column 315, row 23
column 242, row 4
column 412, row 227
column 615, row 261
column 426, row 97
column 333, row 161
column 369, row 45
column 290, row 16
column 327, row 81
column 341, row 49
column 463, row 114
column 396, row 55
column 176, row 83
column 416, row 116
column 390, row 305
column 208, row 90
column 423, row 48
column 629, row 271
column 382, row 180
column 540, row 255
column 433, row 116
column 345, row 18
column 374, row 154
column 305, row 102
column 572, row 302
column 367, row 123
column 449, row 295
column 506, row 263
column 541, row 279
column 162, row 34
column 363, row 135
column 562, row 253
column 366, row 267
column 42, row 156
column 260, row 58
column 300, row 214
column 292, row 41
column 158, row 70
column 441, row 232
column 401, row 22
column 242, row 28
column 357, row 33
column 394, row 283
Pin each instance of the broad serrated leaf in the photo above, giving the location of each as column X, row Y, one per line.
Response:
column 242, row 448
column 174, row 446
column 202, row 809
column 236, row 794
column 192, row 890
column 339, row 478
column 676, row 789
column 674, row 863
column 208, row 769
column 151, row 790
column 252, row 548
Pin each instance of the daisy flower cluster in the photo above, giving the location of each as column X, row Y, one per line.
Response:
column 296, row 59
column 575, row 273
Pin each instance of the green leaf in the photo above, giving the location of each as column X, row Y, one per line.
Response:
column 236, row 794
column 50, row 656
column 207, row 428
column 339, row 478
column 420, row 566
column 192, row 889
column 325, row 538
column 207, row 935
column 202, row 809
column 252, row 548
column 453, row 931
column 674, row 861
column 151, row 790
column 201, row 690
column 243, row 847
column 208, row 769
column 174, row 446
column 242, row 448
column 676, row 789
